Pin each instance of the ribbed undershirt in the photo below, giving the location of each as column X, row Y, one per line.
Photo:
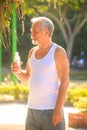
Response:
column 44, row 82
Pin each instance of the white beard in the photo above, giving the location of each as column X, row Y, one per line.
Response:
column 34, row 42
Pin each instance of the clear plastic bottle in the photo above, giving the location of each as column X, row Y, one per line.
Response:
column 17, row 58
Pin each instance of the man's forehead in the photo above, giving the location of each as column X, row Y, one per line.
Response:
column 35, row 25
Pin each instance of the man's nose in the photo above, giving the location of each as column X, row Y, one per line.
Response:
column 32, row 34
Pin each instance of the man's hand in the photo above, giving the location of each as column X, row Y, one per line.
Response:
column 57, row 117
column 15, row 68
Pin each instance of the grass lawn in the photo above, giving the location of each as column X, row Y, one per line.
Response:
column 78, row 74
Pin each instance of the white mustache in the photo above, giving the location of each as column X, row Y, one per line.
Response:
column 34, row 42
column 32, row 37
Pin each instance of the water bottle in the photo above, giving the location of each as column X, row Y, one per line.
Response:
column 17, row 58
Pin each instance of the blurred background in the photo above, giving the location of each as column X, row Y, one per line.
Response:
column 70, row 21
column 68, row 16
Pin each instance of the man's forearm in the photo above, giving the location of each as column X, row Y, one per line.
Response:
column 61, row 97
column 23, row 76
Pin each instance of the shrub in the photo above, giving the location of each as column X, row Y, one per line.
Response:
column 81, row 104
column 75, row 93
column 19, row 91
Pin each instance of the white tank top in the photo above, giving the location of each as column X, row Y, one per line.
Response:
column 44, row 82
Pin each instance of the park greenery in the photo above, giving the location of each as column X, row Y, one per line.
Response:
column 11, row 92
column 70, row 18
column 6, row 11
column 76, row 95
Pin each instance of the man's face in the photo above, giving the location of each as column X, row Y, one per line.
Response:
column 37, row 34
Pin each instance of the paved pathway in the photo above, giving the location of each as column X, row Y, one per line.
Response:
column 13, row 115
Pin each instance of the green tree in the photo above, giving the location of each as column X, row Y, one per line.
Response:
column 6, row 11
column 69, row 15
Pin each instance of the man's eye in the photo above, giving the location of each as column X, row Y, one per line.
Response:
column 33, row 32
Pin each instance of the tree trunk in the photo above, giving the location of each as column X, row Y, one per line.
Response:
column 69, row 49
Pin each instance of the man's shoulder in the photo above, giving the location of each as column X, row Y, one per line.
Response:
column 60, row 55
column 59, row 49
column 31, row 51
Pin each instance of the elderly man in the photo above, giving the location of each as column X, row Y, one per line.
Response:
column 47, row 71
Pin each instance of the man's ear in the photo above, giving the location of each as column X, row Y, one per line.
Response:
column 47, row 32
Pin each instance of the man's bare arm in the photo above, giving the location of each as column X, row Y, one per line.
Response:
column 62, row 66
column 22, row 75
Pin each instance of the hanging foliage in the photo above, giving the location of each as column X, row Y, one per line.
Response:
column 6, row 11
column 31, row 5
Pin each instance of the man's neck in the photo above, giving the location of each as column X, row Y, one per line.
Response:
column 45, row 45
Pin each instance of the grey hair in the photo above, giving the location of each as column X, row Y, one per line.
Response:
column 45, row 23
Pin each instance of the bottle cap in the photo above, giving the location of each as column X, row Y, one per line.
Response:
column 16, row 53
